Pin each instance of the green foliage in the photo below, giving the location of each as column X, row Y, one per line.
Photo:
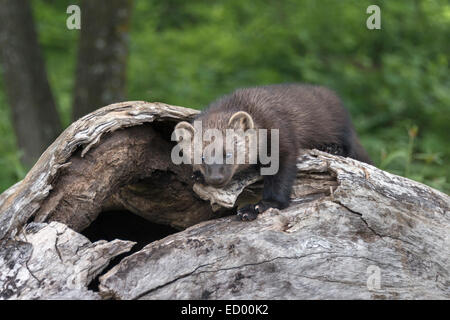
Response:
column 11, row 170
column 395, row 81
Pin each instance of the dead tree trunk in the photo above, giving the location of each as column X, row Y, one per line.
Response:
column 352, row 230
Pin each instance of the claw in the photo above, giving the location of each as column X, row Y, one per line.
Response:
column 247, row 213
column 250, row 211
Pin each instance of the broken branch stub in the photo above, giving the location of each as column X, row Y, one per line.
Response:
column 351, row 231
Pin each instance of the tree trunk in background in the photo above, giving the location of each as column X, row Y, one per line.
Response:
column 35, row 119
column 102, row 55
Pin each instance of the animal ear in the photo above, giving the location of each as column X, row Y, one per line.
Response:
column 241, row 120
column 184, row 129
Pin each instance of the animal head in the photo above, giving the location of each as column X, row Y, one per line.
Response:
column 219, row 145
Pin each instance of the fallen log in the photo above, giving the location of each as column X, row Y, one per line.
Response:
column 352, row 230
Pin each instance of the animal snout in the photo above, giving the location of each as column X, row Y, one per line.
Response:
column 216, row 175
column 217, row 179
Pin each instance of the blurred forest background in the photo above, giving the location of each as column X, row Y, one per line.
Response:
column 394, row 81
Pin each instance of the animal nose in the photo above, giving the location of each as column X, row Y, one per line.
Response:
column 216, row 179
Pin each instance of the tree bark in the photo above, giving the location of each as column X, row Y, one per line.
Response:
column 352, row 231
column 102, row 55
column 35, row 118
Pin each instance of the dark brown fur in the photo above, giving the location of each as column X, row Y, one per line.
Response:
column 307, row 117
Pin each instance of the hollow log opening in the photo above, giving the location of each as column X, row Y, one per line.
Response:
column 126, row 187
column 125, row 226
column 129, row 169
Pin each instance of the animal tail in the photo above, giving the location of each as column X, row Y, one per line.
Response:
column 358, row 151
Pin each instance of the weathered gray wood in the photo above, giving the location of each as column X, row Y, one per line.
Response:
column 326, row 248
column 51, row 261
column 348, row 223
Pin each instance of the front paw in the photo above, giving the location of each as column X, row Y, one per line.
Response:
column 247, row 213
column 264, row 205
